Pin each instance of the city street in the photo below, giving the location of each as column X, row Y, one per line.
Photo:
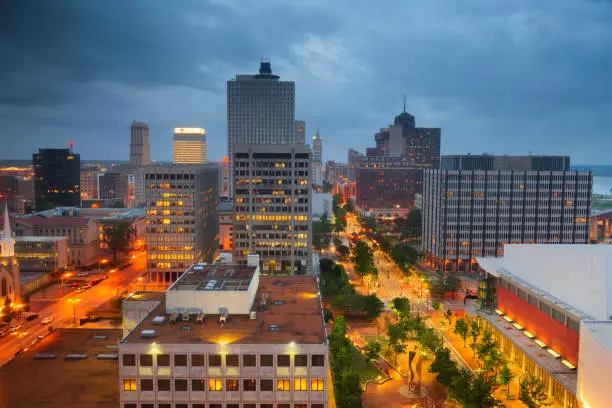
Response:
column 65, row 308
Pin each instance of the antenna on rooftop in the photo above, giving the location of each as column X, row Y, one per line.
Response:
column 71, row 145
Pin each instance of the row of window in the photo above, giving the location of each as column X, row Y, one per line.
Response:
column 218, row 405
column 218, row 384
column 231, row 360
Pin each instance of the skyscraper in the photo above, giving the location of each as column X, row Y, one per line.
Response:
column 317, row 148
column 272, row 207
column 140, row 151
column 57, row 174
column 182, row 204
column 260, row 110
column 189, row 146
column 300, row 131
column 354, row 157
column 113, row 185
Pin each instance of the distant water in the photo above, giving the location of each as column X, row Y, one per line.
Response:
column 602, row 185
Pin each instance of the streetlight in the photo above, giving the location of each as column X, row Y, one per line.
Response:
column 65, row 275
column 141, row 280
column 74, row 302
column 21, row 335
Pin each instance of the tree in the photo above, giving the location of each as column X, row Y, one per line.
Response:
column 349, row 206
column 385, row 244
column 336, row 200
column 404, row 256
column 436, row 305
column 475, row 331
column 363, row 259
column 429, row 340
column 504, row 377
column 487, row 351
column 321, row 231
column 532, row 391
column 349, row 391
column 344, row 251
column 444, row 367
column 401, row 306
column 413, row 223
column 448, row 316
column 397, row 336
column 473, row 391
column 371, row 350
column 119, row 236
column 372, row 305
column 462, row 329
column 340, row 220
column 445, row 283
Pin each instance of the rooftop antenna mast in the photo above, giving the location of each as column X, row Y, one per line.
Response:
column 404, row 102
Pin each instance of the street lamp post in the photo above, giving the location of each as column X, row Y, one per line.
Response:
column 74, row 303
column 141, row 280
column 21, row 335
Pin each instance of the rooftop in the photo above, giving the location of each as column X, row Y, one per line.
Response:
column 601, row 331
column 37, row 220
column 39, row 239
column 286, row 309
column 215, row 277
column 145, row 296
column 27, row 382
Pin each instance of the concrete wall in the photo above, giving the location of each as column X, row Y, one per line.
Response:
column 595, row 366
column 577, row 274
column 236, row 302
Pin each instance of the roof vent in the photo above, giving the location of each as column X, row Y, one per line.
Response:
column 158, row 320
column 253, row 315
column 147, row 334
column 274, row 328
column 75, row 356
column 279, row 302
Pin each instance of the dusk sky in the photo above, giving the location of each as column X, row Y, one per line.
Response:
column 496, row 76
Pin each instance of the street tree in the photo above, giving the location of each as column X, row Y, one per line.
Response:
column 444, row 367
column 363, row 259
column 371, row 350
column 344, row 251
column 349, row 207
column 401, row 306
column 505, row 377
column 473, row 391
column 475, row 331
column 462, row 329
column 445, row 283
column 119, row 236
column 429, row 340
column 448, row 316
column 532, row 391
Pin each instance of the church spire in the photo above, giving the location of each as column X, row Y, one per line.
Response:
column 7, row 243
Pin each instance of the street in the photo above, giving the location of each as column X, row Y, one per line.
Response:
column 65, row 308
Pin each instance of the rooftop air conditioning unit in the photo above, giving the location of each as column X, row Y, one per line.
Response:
column 159, row 320
column 147, row 334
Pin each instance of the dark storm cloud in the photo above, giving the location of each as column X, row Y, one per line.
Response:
column 496, row 76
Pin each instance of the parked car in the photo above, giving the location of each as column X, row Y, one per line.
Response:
column 31, row 316
column 14, row 327
column 47, row 319
column 82, row 274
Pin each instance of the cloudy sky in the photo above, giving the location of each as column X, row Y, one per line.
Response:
column 497, row 76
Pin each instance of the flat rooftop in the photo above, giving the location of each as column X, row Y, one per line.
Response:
column 215, row 278
column 601, row 330
column 288, row 309
column 154, row 296
column 27, row 382
column 39, row 239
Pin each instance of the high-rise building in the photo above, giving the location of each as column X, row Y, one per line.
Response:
column 113, row 186
column 182, row 204
column 335, row 171
column 476, row 204
column 317, row 148
column 272, row 207
column 260, row 110
column 57, row 178
column 89, row 183
column 300, row 131
column 224, row 336
column 189, row 146
column 354, row 158
column 140, row 151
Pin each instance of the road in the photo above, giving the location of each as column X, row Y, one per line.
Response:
column 64, row 310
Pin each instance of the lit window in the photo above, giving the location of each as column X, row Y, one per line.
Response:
column 129, row 384
column 317, row 384
column 215, row 384
column 231, row 385
column 283, row 385
column 300, row 384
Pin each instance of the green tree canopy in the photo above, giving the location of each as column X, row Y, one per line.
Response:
column 119, row 236
column 532, row 392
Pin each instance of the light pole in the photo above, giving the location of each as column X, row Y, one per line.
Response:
column 65, row 275
column 141, row 280
column 21, row 335
column 74, row 302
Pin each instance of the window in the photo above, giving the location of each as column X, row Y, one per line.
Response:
column 180, row 385
column 215, row 384
column 146, row 360
column 232, row 360
column 147, row 405
column 266, row 360
column 164, row 405
column 129, row 360
column 265, row 385
column 163, row 360
column 180, row 406
column 283, row 385
column 299, row 406
column 129, row 384
column 266, row 406
column 232, row 406
column 129, row 406
column 249, row 385
column 214, row 406
column 301, row 360
column 180, row 360
column 316, row 405
column 284, row 360
column 146, row 384
column 283, row 406
column 197, row 385
column 249, row 360
column 197, row 360
column 163, row 385
column 318, row 360
column 249, row 406
column 231, row 385
column 214, row 360
column 202, row 406
column 317, row 384
column 300, row 384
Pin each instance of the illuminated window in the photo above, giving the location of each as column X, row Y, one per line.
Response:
column 231, row 385
column 300, row 384
column 215, row 384
column 129, row 384
column 283, row 385
column 317, row 384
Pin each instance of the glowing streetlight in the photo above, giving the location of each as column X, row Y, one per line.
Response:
column 65, row 275
column 141, row 280
column 74, row 302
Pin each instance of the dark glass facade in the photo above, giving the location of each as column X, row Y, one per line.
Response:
column 56, row 179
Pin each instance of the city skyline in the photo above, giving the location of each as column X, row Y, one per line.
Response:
column 523, row 83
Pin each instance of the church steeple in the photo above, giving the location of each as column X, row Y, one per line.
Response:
column 7, row 244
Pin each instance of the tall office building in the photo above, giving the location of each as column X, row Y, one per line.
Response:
column 113, row 186
column 317, row 148
column 354, row 158
column 300, row 131
column 189, row 146
column 272, row 207
column 476, row 204
column 57, row 178
column 89, row 183
column 182, row 219
column 140, row 151
column 260, row 110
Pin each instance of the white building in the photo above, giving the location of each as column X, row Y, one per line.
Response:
column 317, row 174
column 189, row 146
column 223, row 336
column 260, row 110
column 595, row 365
column 140, row 151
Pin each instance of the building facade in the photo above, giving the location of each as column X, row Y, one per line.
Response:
column 260, row 110
column 472, row 213
column 140, row 150
column 335, row 171
column 114, row 186
column 182, row 219
column 300, row 131
column 57, row 178
column 10, row 272
column 354, row 159
column 226, row 225
column 252, row 342
column 272, row 207
column 89, row 183
column 42, row 254
column 189, row 146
